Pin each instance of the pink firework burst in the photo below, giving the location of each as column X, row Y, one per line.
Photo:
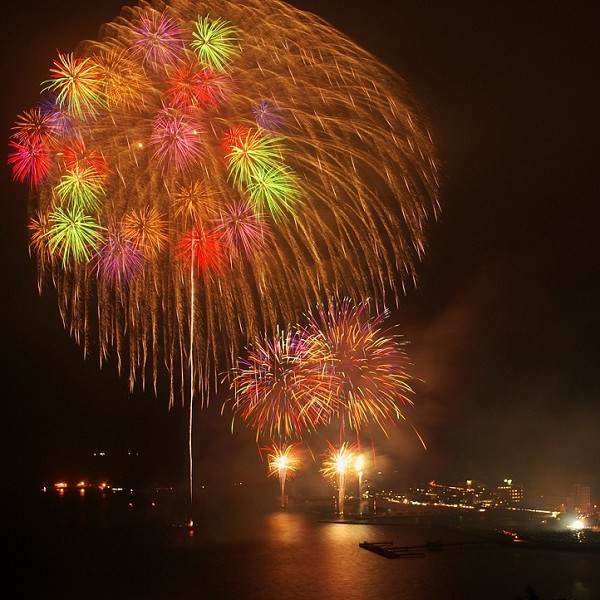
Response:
column 242, row 228
column 158, row 39
column 203, row 248
column 30, row 160
column 177, row 139
column 118, row 259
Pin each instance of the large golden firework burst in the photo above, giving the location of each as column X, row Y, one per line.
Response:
column 187, row 111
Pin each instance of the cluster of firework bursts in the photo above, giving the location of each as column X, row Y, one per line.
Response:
column 342, row 365
column 208, row 170
column 341, row 368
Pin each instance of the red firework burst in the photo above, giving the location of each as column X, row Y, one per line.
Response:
column 203, row 247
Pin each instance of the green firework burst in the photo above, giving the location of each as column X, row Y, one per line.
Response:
column 81, row 188
column 215, row 43
column 72, row 234
column 274, row 189
column 251, row 155
column 78, row 85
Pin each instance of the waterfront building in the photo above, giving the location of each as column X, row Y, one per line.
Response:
column 509, row 493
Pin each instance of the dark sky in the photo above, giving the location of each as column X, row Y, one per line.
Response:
column 503, row 326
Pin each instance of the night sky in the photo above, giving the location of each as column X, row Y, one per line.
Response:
column 503, row 327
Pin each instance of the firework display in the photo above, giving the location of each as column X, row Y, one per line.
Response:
column 369, row 383
column 207, row 170
column 343, row 366
column 278, row 390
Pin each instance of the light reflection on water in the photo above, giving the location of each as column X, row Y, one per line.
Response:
column 293, row 555
column 280, row 555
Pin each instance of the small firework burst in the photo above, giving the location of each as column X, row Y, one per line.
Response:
column 78, row 85
column 35, row 126
column 251, row 154
column 269, row 116
column 72, row 235
column 215, row 43
column 77, row 157
column 118, row 259
column 30, row 160
column 191, row 86
column 203, row 248
column 177, row 139
column 157, row 39
column 196, row 201
column 81, row 187
column 147, row 229
column 242, row 228
column 38, row 229
column 63, row 123
column 274, row 189
column 126, row 85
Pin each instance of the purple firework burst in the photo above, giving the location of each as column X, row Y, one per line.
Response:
column 118, row 259
column 243, row 229
column 158, row 39
column 177, row 139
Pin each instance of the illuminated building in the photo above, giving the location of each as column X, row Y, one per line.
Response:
column 509, row 494
column 581, row 496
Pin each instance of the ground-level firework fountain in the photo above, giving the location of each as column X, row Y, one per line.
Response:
column 359, row 465
column 283, row 462
column 337, row 466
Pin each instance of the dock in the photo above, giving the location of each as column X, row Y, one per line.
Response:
column 388, row 550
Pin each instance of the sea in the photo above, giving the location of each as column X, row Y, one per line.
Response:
column 87, row 545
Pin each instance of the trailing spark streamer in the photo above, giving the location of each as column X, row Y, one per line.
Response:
column 281, row 162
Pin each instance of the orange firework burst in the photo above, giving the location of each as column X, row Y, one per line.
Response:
column 367, row 364
column 196, row 201
column 277, row 391
column 148, row 230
